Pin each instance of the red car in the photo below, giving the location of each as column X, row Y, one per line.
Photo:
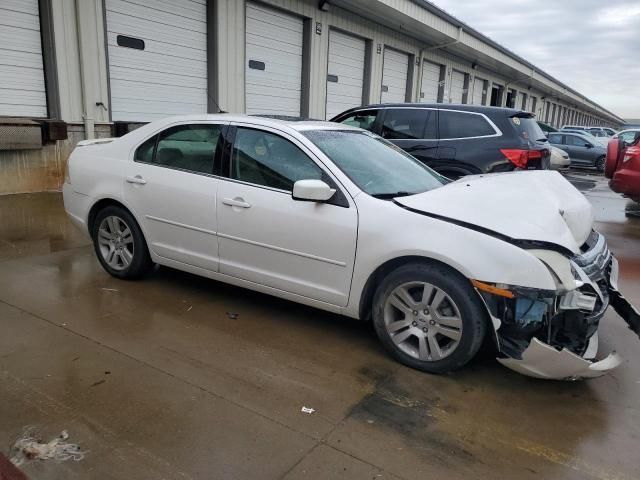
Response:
column 623, row 167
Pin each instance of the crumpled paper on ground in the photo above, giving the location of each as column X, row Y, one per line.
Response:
column 29, row 447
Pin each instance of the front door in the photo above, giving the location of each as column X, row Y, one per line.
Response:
column 578, row 151
column 171, row 189
column 267, row 237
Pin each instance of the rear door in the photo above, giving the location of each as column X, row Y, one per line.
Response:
column 465, row 145
column 267, row 237
column 414, row 130
column 171, row 188
column 273, row 72
column 345, row 72
column 395, row 71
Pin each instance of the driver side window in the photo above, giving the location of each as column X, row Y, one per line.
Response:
column 266, row 159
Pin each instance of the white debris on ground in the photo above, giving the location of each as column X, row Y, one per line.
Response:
column 28, row 447
column 308, row 410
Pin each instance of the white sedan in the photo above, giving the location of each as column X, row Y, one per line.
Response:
column 559, row 159
column 339, row 219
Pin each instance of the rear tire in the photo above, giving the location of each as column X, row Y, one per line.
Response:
column 119, row 243
column 600, row 164
column 429, row 317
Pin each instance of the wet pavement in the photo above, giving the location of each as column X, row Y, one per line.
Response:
column 182, row 377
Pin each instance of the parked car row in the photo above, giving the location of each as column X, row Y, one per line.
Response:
column 595, row 131
column 338, row 218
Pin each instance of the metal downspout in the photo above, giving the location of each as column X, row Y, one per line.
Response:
column 89, row 123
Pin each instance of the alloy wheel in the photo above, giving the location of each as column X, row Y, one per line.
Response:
column 423, row 321
column 115, row 242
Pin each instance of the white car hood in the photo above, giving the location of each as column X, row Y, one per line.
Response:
column 525, row 205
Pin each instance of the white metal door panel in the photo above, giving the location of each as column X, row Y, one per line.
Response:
column 22, row 88
column 273, row 69
column 430, row 82
column 456, row 88
column 394, row 76
column 478, row 87
column 345, row 72
column 305, row 248
column 177, row 212
column 167, row 77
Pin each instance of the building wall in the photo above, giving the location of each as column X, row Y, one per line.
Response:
column 37, row 170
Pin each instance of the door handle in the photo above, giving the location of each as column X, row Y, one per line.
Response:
column 236, row 202
column 138, row 180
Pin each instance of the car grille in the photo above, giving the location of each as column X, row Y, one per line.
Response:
column 595, row 257
column 595, row 261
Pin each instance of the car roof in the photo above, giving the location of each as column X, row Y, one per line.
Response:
column 441, row 106
column 293, row 124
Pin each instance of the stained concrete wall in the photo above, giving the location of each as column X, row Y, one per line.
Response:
column 25, row 171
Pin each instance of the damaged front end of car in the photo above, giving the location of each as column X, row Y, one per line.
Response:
column 554, row 334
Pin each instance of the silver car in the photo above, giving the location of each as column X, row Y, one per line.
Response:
column 581, row 149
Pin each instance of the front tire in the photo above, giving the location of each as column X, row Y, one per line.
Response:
column 600, row 164
column 120, row 244
column 429, row 317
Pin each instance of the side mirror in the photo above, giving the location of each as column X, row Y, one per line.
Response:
column 312, row 191
column 588, row 145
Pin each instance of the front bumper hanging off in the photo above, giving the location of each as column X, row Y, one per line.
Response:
column 562, row 342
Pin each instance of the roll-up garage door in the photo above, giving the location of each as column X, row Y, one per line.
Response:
column 478, row 88
column 430, row 82
column 345, row 73
column 394, row 76
column 22, row 91
column 157, row 58
column 273, row 72
column 456, row 88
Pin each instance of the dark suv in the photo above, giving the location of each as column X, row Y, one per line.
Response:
column 458, row 140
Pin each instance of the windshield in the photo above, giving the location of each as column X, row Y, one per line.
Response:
column 376, row 166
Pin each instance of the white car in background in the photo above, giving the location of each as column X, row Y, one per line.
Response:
column 559, row 159
column 337, row 218
column 629, row 135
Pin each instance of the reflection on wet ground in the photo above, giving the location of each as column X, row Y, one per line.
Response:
column 178, row 376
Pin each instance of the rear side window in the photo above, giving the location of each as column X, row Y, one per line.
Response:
column 362, row 119
column 144, row 153
column 555, row 138
column 409, row 123
column 463, row 125
column 187, row 147
column 527, row 128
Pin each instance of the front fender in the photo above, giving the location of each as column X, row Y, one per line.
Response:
column 387, row 231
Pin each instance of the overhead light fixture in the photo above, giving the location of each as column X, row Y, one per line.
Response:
column 324, row 5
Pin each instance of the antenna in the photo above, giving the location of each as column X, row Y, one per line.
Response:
column 215, row 103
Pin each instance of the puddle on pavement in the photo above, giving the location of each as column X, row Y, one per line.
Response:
column 36, row 224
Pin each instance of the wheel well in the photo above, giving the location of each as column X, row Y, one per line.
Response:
column 99, row 205
column 366, row 299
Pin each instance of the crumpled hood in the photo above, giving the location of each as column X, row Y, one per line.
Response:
column 525, row 205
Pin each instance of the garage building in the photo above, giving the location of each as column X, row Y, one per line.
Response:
column 78, row 69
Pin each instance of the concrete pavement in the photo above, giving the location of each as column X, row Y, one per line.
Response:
column 178, row 376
